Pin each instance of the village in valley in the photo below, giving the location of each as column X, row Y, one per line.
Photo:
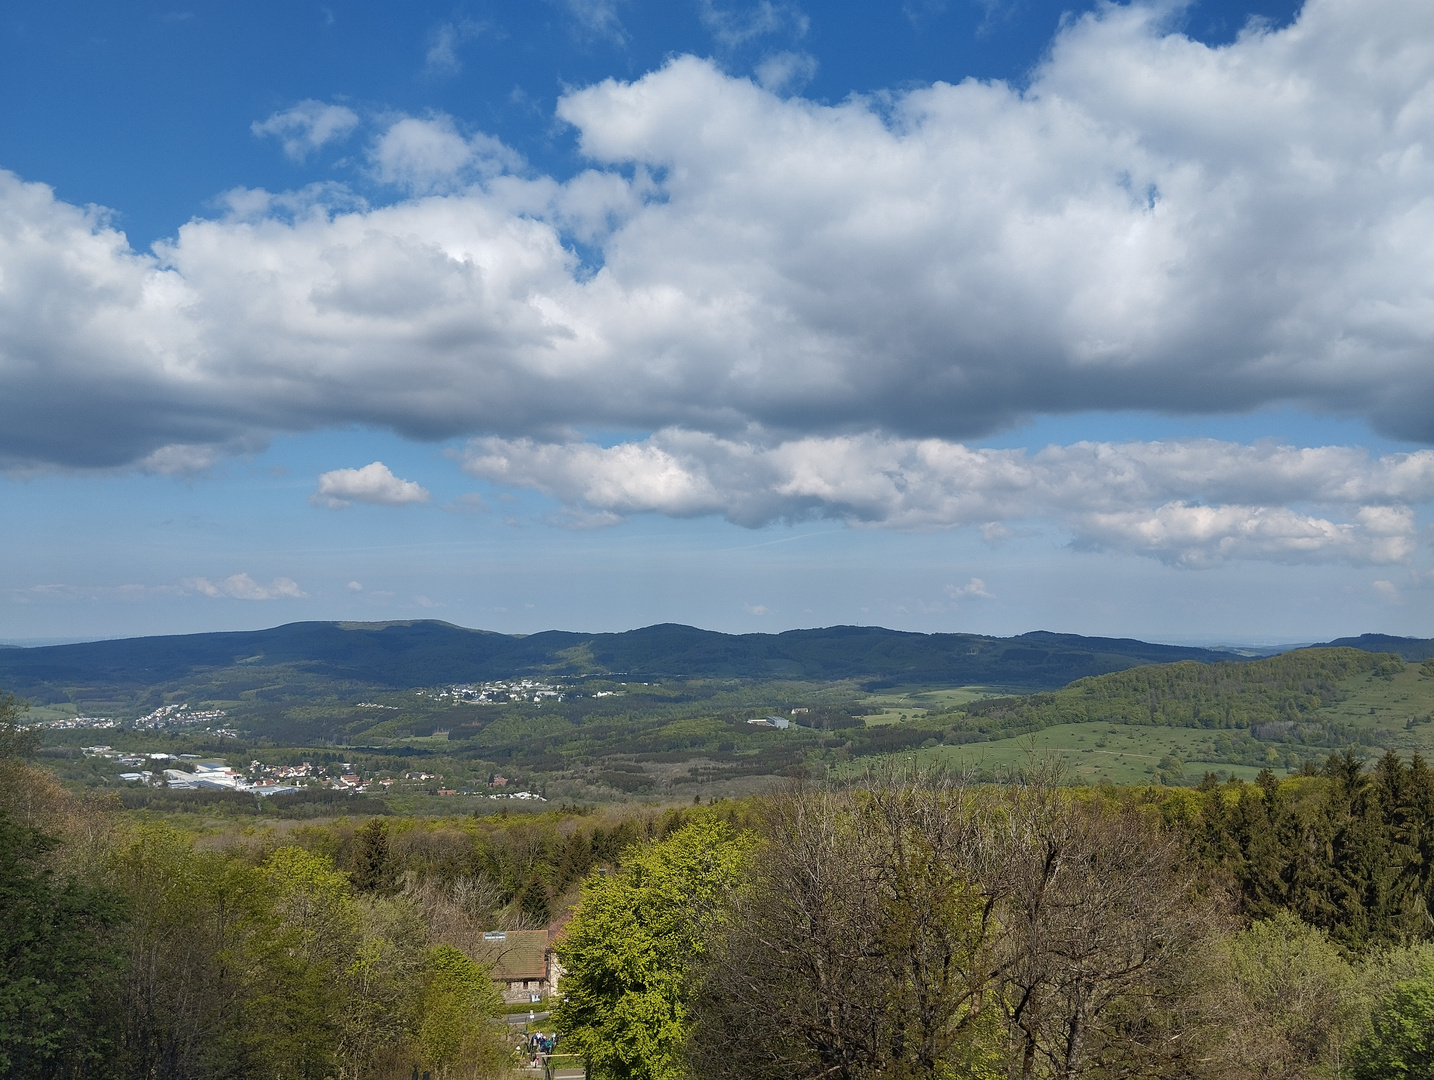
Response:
column 501, row 692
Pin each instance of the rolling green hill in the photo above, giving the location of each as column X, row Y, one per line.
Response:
column 429, row 653
column 1285, row 689
column 1407, row 648
column 1173, row 723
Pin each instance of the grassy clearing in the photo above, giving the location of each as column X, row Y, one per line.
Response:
column 1095, row 753
column 40, row 714
column 1386, row 706
column 911, row 703
column 947, row 698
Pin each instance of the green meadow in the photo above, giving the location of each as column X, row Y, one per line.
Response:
column 914, row 703
column 1396, row 710
column 1095, row 753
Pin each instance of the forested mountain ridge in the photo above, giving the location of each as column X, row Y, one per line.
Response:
column 1407, row 648
column 428, row 653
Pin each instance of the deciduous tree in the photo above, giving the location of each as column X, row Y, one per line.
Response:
column 1101, row 925
column 631, row 948
column 458, row 1001
column 863, row 942
column 1400, row 1043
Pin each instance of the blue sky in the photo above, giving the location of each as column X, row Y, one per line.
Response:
column 591, row 314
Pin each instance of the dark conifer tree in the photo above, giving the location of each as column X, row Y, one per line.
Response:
column 373, row 870
column 533, row 901
column 57, row 960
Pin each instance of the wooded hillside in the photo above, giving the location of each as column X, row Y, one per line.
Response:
column 1288, row 688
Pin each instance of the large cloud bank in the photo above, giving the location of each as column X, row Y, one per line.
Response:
column 1152, row 224
column 1134, row 497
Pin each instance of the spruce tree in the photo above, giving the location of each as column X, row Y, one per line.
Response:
column 373, row 860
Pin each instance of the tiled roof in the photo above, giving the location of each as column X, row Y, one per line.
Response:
column 517, row 954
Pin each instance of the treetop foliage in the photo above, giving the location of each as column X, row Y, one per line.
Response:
column 58, row 957
column 17, row 742
column 1400, row 1042
column 629, row 950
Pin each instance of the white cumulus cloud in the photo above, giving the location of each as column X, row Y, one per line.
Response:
column 244, row 587
column 1388, row 591
column 374, row 483
column 1188, row 502
column 973, row 589
column 425, row 155
column 817, row 307
column 1198, row 536
column 307, row 126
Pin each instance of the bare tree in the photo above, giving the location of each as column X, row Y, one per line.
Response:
column 918, row 926
column 1102, row 924
column 457, row 912
column 863, row 944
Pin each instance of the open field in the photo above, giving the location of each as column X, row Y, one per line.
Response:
column 63, row 710
column 910, row 703
column 1094, row 753
column 1384, row 706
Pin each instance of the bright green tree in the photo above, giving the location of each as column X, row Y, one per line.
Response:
column 273, row 971
column 382, row 985
column 459, row 1000
column 629, row 951
column 294, row 1014
column 1400, row 1042
column 1287, row 998
column 189, row 971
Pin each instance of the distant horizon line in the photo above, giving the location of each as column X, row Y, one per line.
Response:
column 1213, row 644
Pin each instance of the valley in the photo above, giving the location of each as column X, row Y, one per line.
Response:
column 547, row 734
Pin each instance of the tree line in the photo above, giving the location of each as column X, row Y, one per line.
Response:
column 1348, row 848
column 916, row 925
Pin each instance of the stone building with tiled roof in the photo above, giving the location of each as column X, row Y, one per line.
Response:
column 523, row 963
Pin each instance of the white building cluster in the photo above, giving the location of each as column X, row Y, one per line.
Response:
column 217, row 776
column 177, row 715
column 497, row 693
column 99, row 722
column 162, row 717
